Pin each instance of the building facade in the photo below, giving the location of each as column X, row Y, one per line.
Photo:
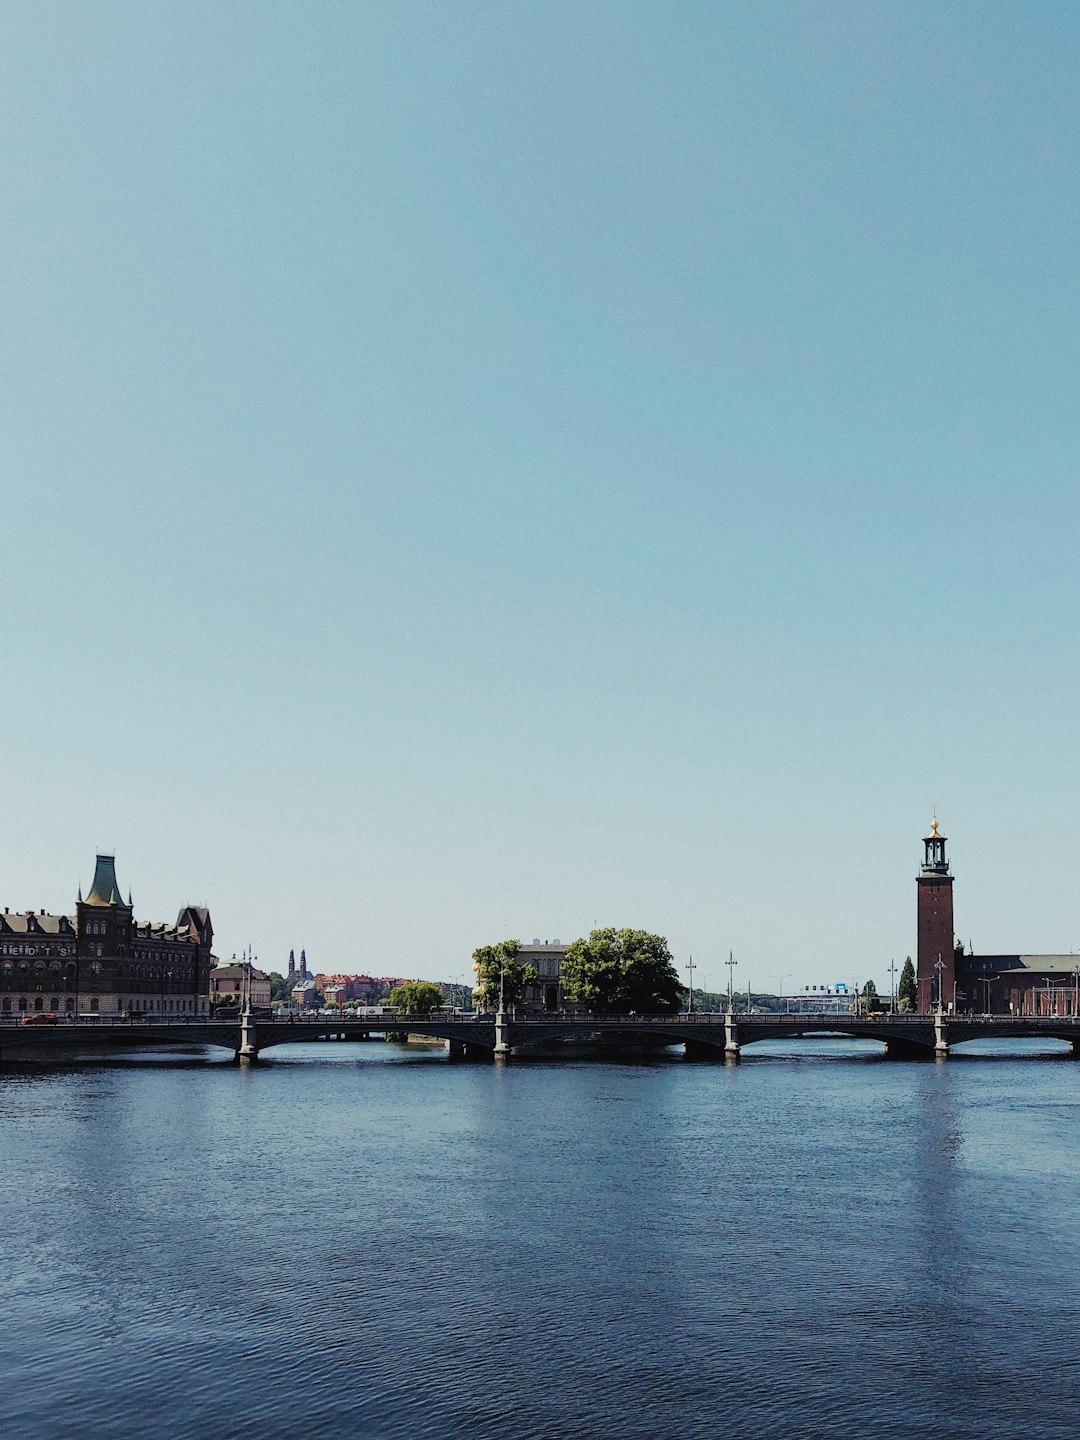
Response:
column 101, row 960
column 233, row 984
column 964, row 983
column 546, row 993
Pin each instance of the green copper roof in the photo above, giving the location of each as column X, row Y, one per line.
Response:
column 104, row 890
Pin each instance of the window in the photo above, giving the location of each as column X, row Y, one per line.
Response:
column 95, row 968
column 39, row 1003
column 5, row 1004
column 54, row 1003
column 94, row 1004
column 22, row 1002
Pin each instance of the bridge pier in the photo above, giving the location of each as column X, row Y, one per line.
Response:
column 731, row 1035
column 502, row 1035
column 249, row 1044
column 941, row 1039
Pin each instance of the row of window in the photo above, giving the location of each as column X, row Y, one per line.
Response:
column 8, row 969
column 37, row 1003
column 142, row 972
column 8, row 966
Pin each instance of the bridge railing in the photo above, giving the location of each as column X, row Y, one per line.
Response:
column 26, row 1019
column 702, row 1018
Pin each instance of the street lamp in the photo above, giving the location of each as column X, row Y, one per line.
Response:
column 780, row 995
column 892, row 972
column 731, row 962
column 690, row 1002
column 939, row 966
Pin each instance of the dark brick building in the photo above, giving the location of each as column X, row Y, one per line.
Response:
column 966, row 983
column 102, row 960
column 936, row 943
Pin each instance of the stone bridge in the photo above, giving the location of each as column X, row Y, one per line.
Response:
column 701, row 1034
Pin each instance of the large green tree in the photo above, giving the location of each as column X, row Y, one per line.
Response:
column 624, row 972
column 416, row 997
column 870, row 997
column 280, row 986
column 500, row 972
column 907, row 993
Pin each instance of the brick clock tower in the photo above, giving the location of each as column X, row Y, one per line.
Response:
column 935, row 926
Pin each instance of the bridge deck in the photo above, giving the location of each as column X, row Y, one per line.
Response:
column 478, row 1034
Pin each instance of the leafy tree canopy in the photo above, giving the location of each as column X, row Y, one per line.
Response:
column 627, row 972
column 498, row 966
column 280, row 986
column 416, row 997
column 906, row 991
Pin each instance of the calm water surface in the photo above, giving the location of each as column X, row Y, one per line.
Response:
column 368, row 1241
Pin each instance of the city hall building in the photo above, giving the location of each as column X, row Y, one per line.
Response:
column 101, row 960
column 965, row 983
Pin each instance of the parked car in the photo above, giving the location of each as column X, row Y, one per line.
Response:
column 41, row 1017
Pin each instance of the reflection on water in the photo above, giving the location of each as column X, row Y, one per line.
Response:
column 366, row 1240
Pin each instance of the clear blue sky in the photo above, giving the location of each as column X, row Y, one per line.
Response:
column 476, row 469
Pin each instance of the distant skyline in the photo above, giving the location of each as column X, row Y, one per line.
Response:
column 477, row 470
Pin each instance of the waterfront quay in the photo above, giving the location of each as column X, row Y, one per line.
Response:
column 499, row 1036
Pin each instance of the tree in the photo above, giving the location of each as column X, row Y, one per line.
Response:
column 500, row 972
column 280, row 986
column 626, row 972
column 416, row 997
column 870, row 995
column 907, row 994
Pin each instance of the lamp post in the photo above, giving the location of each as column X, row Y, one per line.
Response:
column 1076, row 989
column 892, row 972
column 986, row 981
column 731, row 962
column 939, row 966
column 780, row 994
column 690, row 1002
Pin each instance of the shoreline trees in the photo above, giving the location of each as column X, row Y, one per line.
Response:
column 500, row 973
column 627, row 972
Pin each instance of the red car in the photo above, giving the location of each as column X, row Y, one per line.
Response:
column 39, row 1019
